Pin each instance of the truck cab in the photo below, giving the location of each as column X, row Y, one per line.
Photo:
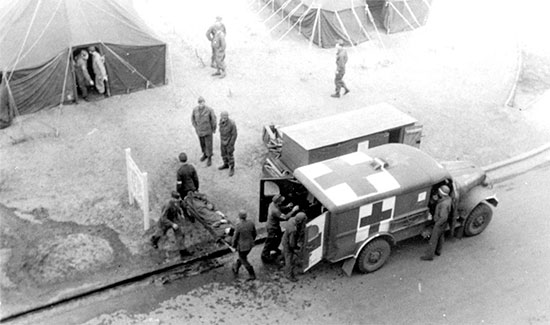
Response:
column 360, row 204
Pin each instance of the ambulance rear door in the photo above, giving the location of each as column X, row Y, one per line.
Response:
column 314, row 241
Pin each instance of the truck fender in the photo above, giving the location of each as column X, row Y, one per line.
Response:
column 475, row 196
column 348, row 265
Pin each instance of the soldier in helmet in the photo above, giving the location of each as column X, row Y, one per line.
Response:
column 211, row 34
column 292, row 243
column 341, row 60
column 275, row 215
column 441, row 215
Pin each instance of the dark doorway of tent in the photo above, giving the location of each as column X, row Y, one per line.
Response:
column 90, row 72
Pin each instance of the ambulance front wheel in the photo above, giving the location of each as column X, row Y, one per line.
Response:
column 374, row 255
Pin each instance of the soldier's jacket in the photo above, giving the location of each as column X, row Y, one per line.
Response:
column 442, row 211
column 204, row 121
column 243, row 238
column 211, row 31
column 171, row 213
column 341, row 60
column 291, row 235
column 228, row 133
column 218, row 43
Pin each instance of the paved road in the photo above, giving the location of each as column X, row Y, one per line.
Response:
column 499, row 277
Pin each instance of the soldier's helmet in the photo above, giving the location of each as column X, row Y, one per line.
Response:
column 444, row 190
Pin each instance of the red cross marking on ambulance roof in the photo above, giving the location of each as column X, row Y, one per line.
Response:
column 376, row 216
column 352, row 175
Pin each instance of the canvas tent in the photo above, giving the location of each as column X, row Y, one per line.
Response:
column 38, row 39
column 324, row 22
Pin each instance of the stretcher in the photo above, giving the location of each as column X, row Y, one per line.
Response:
column 197, row 207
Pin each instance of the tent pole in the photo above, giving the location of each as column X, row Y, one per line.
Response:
column 412, row 13
column 297, row 21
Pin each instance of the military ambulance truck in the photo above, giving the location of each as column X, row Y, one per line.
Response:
column 359, row 204
column 320, row 139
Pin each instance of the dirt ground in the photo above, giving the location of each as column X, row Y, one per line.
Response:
column 66, row 221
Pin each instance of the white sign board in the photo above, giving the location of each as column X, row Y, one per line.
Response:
column 138, row 187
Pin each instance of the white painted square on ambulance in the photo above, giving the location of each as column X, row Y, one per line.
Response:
column 341, row 194
column 421, row 196
column 388, row 204
column 315, row 170
column 365, row 211
column 363, row 146
column 383, row 182
column 356, row 158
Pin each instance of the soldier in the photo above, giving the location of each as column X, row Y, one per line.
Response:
column 98, row 64
column 171, row 216
column 204, row 122
column 187, row 178
column 218, row 45
column 83, row 79
column 243, row 241
column 441, row 215
column 211, row 33
column 228, row 136
column 273, row 227
column 292, row 243
column 341, row 60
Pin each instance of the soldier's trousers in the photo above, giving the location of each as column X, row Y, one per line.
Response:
column 339, row 82
column 227, row 154
column 272, row 242
column 219, row 60
column 162, row 230
column 436, row 242
column 213, row 58
column 243, row 260
column 290, row 261
column 206, row 145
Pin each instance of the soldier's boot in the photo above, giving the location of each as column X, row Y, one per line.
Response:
column 231, row 170
column 209, row 161
column 203, row 157
column 251, row 273
column 222, row 74
column 335, row 95
column 346, row 90
column 235, row 268
column 154, row 241
column 224, row 166
column 184, row 253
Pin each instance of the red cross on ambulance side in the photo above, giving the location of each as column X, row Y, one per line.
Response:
column 374, row 217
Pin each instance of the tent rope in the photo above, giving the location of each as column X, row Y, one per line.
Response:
column 134, row 27
column 18, row 58
column 344, row 29
column 299, row 21
column 409, row 9
column 265, row 6
column 401, row 15
column 128, row 65
column 427, row 4
column 287, row 16
column 277, row 11
column 360, row 24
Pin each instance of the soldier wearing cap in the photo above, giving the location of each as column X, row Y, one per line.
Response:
column 273, row 227
column 228, row 136
column 211, row 34
column 341, row 60
column 441, row 215
column 243, row 241
column 204, row 122
column 291, row 241
column 187, row 178
column 170, row 219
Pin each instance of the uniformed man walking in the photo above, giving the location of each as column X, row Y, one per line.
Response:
column 171, row 218
column 204, row 122
column 273, row 227
column 291, row 242
column 441, row 215
column 243, row 241
column 187, row 178
column 228, row 136
column 218, row 45
column 341, row 60
column 211, row 33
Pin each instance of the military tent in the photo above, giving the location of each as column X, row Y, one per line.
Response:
column 324, row 22
column 38, row 39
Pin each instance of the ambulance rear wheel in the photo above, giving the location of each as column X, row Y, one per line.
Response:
column 374, row 255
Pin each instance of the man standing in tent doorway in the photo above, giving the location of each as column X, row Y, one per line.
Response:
column 98, row 62
column 211, row 34
column 341, row 60
column 83, row 79
column 204, row 122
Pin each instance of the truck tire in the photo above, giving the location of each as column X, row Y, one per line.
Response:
column 478, row 220
column 374, row 255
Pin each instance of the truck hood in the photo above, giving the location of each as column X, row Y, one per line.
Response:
column 465, row 174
